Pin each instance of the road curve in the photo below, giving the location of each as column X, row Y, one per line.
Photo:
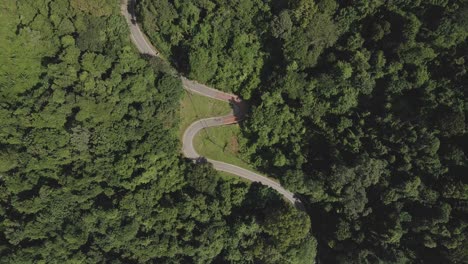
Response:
column 239, row 106
column 127, row 7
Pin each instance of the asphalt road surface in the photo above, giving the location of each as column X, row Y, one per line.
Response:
column 145, row 47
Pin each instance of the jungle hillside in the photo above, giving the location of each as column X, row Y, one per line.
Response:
column 357, row 106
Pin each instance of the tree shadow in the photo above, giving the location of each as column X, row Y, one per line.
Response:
column 131, row 11
column 239, row 108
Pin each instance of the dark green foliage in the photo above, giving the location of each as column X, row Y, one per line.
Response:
column 217, row 42
column 281, row 26
column 90, row 165
column 360, row 107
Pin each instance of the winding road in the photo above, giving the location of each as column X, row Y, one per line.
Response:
column 239, row 106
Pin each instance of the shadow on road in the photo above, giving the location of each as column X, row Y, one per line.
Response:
column 239, row 108
column 131, row 11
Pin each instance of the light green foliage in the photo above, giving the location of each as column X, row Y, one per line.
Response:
column 95, row 8
column 281, row 26
column 363, row 113
column 288, row 228
column 349, row 184
column 90, row 164
column 221, row 143
column 194, row 107
column 276, row 126
column 21, row 66
column 202, row 65
column 308, row 41
column 222, row 47
column 360, row 107
column 344, row 70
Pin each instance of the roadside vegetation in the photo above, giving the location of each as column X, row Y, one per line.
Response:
column 232, row 177
column 359, row 106
column 90, row 164
column 194, row 107
column 221, row 143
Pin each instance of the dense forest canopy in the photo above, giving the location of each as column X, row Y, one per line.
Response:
column 359, row 106
column 90, row 165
